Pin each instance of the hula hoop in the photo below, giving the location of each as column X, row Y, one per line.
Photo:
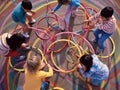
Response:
column 47, row 29
column 16, row 69
column 70, row 58
column 68, row 33
column 58, row 88
column 64, row 71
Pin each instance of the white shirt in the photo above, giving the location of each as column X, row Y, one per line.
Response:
column 4, row 48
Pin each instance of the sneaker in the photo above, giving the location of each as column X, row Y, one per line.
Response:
column 20, row 58
column 25, row 35
column 32, row 22
column 62, row 30
column 27, row 48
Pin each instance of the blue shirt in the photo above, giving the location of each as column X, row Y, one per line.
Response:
column 73, row 3
column 18, row 14
column 98, row 71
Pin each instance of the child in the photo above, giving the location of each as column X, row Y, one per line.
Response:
column 106, row 28
column 71, row 9
column 10, row 43
column 22, row 12
column 34, row 76
column 92, row 68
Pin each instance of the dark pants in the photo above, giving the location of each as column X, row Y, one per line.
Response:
column 44, row 86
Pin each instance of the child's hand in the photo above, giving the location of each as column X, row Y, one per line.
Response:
column 24, row 45
column 79, row 66
column 51, row 12
column 48, row 65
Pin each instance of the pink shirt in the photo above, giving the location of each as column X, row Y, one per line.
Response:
column 108, row 26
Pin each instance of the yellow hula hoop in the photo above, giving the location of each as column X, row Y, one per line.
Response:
column 38, row 51
column 58, row 88
column 61, row 40
column 113, row 49
column 69, row 57
column 16, row 69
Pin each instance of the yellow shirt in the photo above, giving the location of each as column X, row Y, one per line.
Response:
column 33, row 81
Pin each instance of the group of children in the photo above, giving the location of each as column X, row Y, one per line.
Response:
column 90, row 66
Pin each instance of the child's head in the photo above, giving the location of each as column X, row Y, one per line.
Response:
column 26, row 4
column 15, row 41
column 63, row 2
column 33, row 64
column 86, row 61
column 107, row 12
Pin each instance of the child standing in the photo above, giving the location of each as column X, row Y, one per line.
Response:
column 92, row 68
column 22, row 12
column 106, row 27
column 34, row 75
column 71, row 9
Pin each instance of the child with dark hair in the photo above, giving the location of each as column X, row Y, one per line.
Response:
column 10, row 43
column 106, row 27
column 15, row 41
column 34, row 75
column 22, row 12
column 71, row 9
column 92, row 68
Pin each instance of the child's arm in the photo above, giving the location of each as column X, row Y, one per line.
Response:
column 44, row 74
column 79, row 66
column 94, row 17
column 57, row 7
column 32, row 12
column 92, row 20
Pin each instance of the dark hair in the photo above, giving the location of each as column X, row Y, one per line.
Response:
column 26, row 4
column 87, row 60
column 63, row 1
column 15, row 41
column 33, row 64
column 107, row 12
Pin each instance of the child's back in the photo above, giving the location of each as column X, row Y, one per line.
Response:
column 34, row 76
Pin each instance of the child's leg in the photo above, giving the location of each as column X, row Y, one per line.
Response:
column 97, row 32
column 25, row 30
column 74, row 10
column 102, row 39
column 96, row 82
column 29, row 16
column 68, row 14
column 44, row 86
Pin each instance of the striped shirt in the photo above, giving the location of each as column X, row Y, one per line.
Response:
column 108, row 26
column 4, row 48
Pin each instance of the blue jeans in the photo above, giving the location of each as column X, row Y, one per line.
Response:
column 44, row 86
column 96, row 82
column 100, row 37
